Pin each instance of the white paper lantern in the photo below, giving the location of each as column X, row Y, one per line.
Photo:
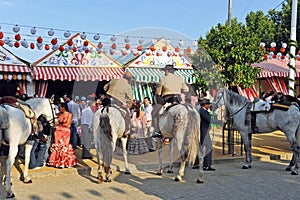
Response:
column 83, row 36
column 10, row 44
column 262, row 44
column 113, row 38
column 273, row 44
column 194, row 43
column 33, row 30
column 67, row 34
column 51, row 32
column 181, row 43
column 16, row 28
column 127, row 39
column 167, row 42
column 9, row 77
column 141, row 40
column 97, row 36
column 284, row 45
column 19, row 77
column 154, row 41
column 24, row 43
column 7, row 40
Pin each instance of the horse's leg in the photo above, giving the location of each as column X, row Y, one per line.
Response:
column 100, row 166
column 108, row 172
column 295, row 158
column 247, row 146
column 124, row 142
column 28, row 147
column 181, row 170
column 200, row 172
column 171, row 147
column 13, row 150
column 159, row 171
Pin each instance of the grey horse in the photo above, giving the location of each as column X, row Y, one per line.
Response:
column 275, row 119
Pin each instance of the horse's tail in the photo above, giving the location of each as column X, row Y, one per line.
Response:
column 106, row 138
column 193, row 136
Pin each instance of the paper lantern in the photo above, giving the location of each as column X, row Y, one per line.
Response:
column 85, row 43
column 273, row 44
column 5, row 76
column 112, row 52
column 51, row 32
column 262, row 44
column 282, row 49
column 140, row 48
column 113, row 38
column 54, row 41
column 7, row 40
column 67, row 34
column 152, row 48
column 19, row 77
column 17, row 44
column 181, row 43
column 177, row 49
column 1, row 43
column 1, row 76
column 194, row 43
column 10, row 44
column 87, row 50
column 141, row 40
column 24, row 43
column 61, row 48
column 97, row 36
column 23, row 77
column 167, row 42
column 127, row 39
column 33, row 30
column 32, row 45
column 1, row 35
column 154, row 41
column 39, row 39
column 9, row 77
column 16, row 28
column 100, row 45
column 272, row 49
column 74, row 49
column 18, row 37
column 70, row 42
column 83, row 36
column 164, row 48
column 47, row 47
column 284, row 45
column 127, row 46
column 147, row 52
column 114, row 46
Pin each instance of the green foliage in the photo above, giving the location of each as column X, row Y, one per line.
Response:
column 233, row 49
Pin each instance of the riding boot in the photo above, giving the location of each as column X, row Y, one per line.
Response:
column 157, row 134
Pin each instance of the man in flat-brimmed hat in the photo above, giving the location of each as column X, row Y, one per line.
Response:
column 169, row 89
column 120, row 91
column 205, row 139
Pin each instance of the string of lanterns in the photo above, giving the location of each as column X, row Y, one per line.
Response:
column 48, row 41
column 281, row 55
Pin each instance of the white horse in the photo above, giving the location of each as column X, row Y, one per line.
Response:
column 286, row 121
column 108, row 126
column 18, row 130
column 182, row 123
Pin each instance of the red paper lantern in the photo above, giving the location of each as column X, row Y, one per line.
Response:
column 282, row 49
column 298, row 58
column 282, row 57
column 114, row 46
column 164, row 48
column 135, row 53
column 1, row 35
column 85, row 43
column 140, row 48
column 39, row 39
column 17, row 44
column 274, row 56
column 70, row 42
column 265, row 56
column 32, row 45
column 47, row 47
column 54, row 41
column 124, row 53
column 152, row 48
column 177, row 49
column 61, row 48
column 18, row 37
column 1, row 43
column 127, row 46
column 272, row 49
column 74, row 49
column 188, row 49
column 87, row 50
column 100, row 45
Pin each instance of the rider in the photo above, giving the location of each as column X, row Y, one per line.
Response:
column 170, row 88
column 120, row 92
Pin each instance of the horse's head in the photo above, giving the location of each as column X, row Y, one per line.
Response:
column 45, row 107
column 219, row 99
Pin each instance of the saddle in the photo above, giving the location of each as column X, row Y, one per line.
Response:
column 28, row 112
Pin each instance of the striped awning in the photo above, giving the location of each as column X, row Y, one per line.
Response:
column 77, row 73
column 152, row 75
column 274, row 67
column 14, row 68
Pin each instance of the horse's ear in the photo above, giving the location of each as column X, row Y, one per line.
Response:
column 52, row 98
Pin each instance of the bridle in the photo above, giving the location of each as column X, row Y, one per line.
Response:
column 54, row 117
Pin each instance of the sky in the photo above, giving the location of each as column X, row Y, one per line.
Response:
column 184, row 19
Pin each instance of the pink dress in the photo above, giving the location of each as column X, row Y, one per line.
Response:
column 62, row 153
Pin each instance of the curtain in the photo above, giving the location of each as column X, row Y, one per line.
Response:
column 277, row 84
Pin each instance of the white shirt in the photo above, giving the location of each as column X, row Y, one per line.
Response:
column 87, row 117
column 147, row 112
column 74, row 109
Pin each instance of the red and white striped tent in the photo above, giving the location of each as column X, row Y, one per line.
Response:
column 273, row 76
column 76, row 60
column 14, row 69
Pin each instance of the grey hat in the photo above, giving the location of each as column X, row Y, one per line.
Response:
column 83, row 98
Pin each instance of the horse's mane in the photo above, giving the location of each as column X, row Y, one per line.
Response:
column 237, row 98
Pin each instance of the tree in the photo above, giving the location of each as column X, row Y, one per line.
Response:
column 233, row 49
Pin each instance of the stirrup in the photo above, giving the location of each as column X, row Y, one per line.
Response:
column 157, row 134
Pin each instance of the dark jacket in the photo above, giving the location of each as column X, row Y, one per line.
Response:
column 204, row 124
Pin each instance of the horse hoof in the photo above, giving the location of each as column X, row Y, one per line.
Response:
column 170, row 171
column 28, row 181
column 100, row 179
column 177, row 179
column 11, row 195
column 127, row 173
column 198, row 181
column 294, row 172
column 108, row 180
column 246, row 167
column 288, row 169
column 159, row 173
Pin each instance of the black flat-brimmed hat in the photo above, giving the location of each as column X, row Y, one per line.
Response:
column 169, row 68
column 205, row 101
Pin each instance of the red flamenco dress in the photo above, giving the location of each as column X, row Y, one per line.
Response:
column 62, row 153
